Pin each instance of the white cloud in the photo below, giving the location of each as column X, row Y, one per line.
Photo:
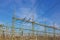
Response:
column 1, row 23
column 26, row 12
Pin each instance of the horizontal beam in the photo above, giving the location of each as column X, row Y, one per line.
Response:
column 38, row 31
column 23, row 19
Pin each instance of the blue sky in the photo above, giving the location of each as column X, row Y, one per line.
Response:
column 42, row 10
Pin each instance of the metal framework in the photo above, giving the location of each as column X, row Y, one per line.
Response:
column 45, row 27
column 33, row 34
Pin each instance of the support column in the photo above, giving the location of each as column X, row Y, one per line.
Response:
column 54, row 31
column 13, row 26
column 32, row 28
